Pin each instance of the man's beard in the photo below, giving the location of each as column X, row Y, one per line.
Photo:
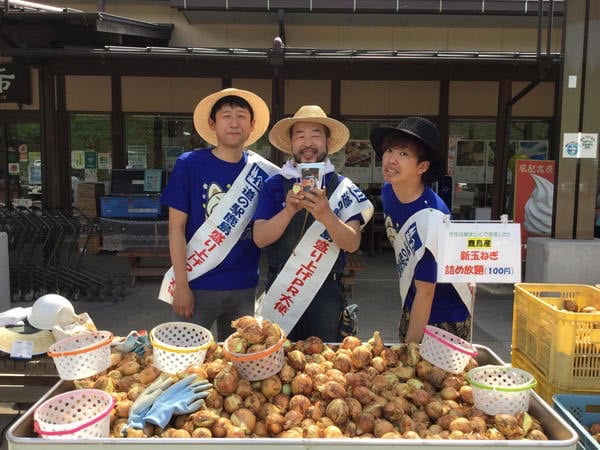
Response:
column 320, row 156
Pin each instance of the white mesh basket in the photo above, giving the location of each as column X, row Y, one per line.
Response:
column 84, row 413
column 501, row 389
column 82, row 355
column 260, row 365
column 445, row 350
column 178, row 345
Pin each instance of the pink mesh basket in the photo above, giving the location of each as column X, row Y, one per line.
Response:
column 445, row 350
column 84, row 413
column 82, row 356
column 260, row 365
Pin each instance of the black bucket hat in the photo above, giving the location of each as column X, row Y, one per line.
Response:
column 425, row 132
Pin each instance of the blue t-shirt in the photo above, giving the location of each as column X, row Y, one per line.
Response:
column 447, row 305
column 272, row 197
column 197, row 184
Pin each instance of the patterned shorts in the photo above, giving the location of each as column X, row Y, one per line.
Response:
column 460, row 329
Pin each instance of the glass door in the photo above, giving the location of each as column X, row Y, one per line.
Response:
column 21, row 165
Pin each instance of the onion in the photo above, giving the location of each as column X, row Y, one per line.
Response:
column 332, row 432
column 337, row 410
column 271, row 386
column 302, row 384
column 296, row 359
column 350, row 342
column 287, row 373
column 232, row 403
column 381, row 427
column 361, row 356
column 201, row 432
column 254, row 401
column 299, row 402
column 245, row 419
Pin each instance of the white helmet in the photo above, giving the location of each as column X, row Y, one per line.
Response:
column 50, row 310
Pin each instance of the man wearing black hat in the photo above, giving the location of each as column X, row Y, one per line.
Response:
column 411, row 159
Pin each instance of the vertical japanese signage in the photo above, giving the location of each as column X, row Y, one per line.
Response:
column 15, row 85
column 534, row 198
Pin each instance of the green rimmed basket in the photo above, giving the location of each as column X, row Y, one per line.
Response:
column 501, row 389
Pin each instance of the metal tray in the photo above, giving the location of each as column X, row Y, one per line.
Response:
column 21, row 436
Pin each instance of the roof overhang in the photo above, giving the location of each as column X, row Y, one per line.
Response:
column 66, row 29
column 296, row 63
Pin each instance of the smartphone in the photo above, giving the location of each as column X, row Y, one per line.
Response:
column 311, row 175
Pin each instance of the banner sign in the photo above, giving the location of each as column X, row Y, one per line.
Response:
column 479, row 252
column 15, row 85
column 534, row 198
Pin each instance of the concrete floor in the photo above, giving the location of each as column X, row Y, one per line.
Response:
column 376, row 293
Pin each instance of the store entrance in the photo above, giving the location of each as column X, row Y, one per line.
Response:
column 20, row 163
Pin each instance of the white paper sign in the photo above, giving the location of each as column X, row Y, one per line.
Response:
column 479, row 252
column 21, row 349
column 580, row 145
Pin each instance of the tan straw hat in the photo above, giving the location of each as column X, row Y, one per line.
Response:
column 260, row 111
column 280, row 133
column 41, row 339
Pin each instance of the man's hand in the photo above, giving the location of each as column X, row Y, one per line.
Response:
column 293, row 200
column 317, row 203
column 183, row 301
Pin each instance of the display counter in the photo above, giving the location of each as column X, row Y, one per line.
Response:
column 22, row 437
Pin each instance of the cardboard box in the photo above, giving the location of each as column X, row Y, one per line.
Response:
column 88, row 198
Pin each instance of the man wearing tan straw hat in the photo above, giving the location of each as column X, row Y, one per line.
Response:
column 212, row 195
column 308, row 230
column 411, row 158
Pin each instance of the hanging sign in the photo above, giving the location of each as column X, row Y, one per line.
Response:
column 479, row 252
column 14, row 83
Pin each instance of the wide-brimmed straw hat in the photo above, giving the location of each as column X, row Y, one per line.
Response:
column 422, row 130
column 260, row 111
column 280, row 133
column 42, row 339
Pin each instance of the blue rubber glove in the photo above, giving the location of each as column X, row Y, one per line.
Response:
column 136, row 341
column 141, row 406
column 184, row 397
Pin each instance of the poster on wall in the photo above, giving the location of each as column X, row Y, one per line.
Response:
column 77, row 159
column 34, row 171
column 23, row 152
column 534, row 194
column 358, row 161
column 470, row 157
column 530, row 149
column 136, row 156
column 105, row 161
column 452, row 143
column 91, row 159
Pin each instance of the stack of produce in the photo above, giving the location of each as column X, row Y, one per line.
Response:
column 350, row 390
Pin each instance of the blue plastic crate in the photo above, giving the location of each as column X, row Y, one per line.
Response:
column 580, row 411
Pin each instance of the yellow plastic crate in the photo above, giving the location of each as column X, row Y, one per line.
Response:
column 563, row 345
column 544, row 388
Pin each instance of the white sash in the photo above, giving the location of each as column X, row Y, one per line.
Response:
column 418, row 233
column 311, row 261
column 215, row 238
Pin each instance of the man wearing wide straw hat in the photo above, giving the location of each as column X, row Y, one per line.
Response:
column 212, row 195
column 308, row 230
